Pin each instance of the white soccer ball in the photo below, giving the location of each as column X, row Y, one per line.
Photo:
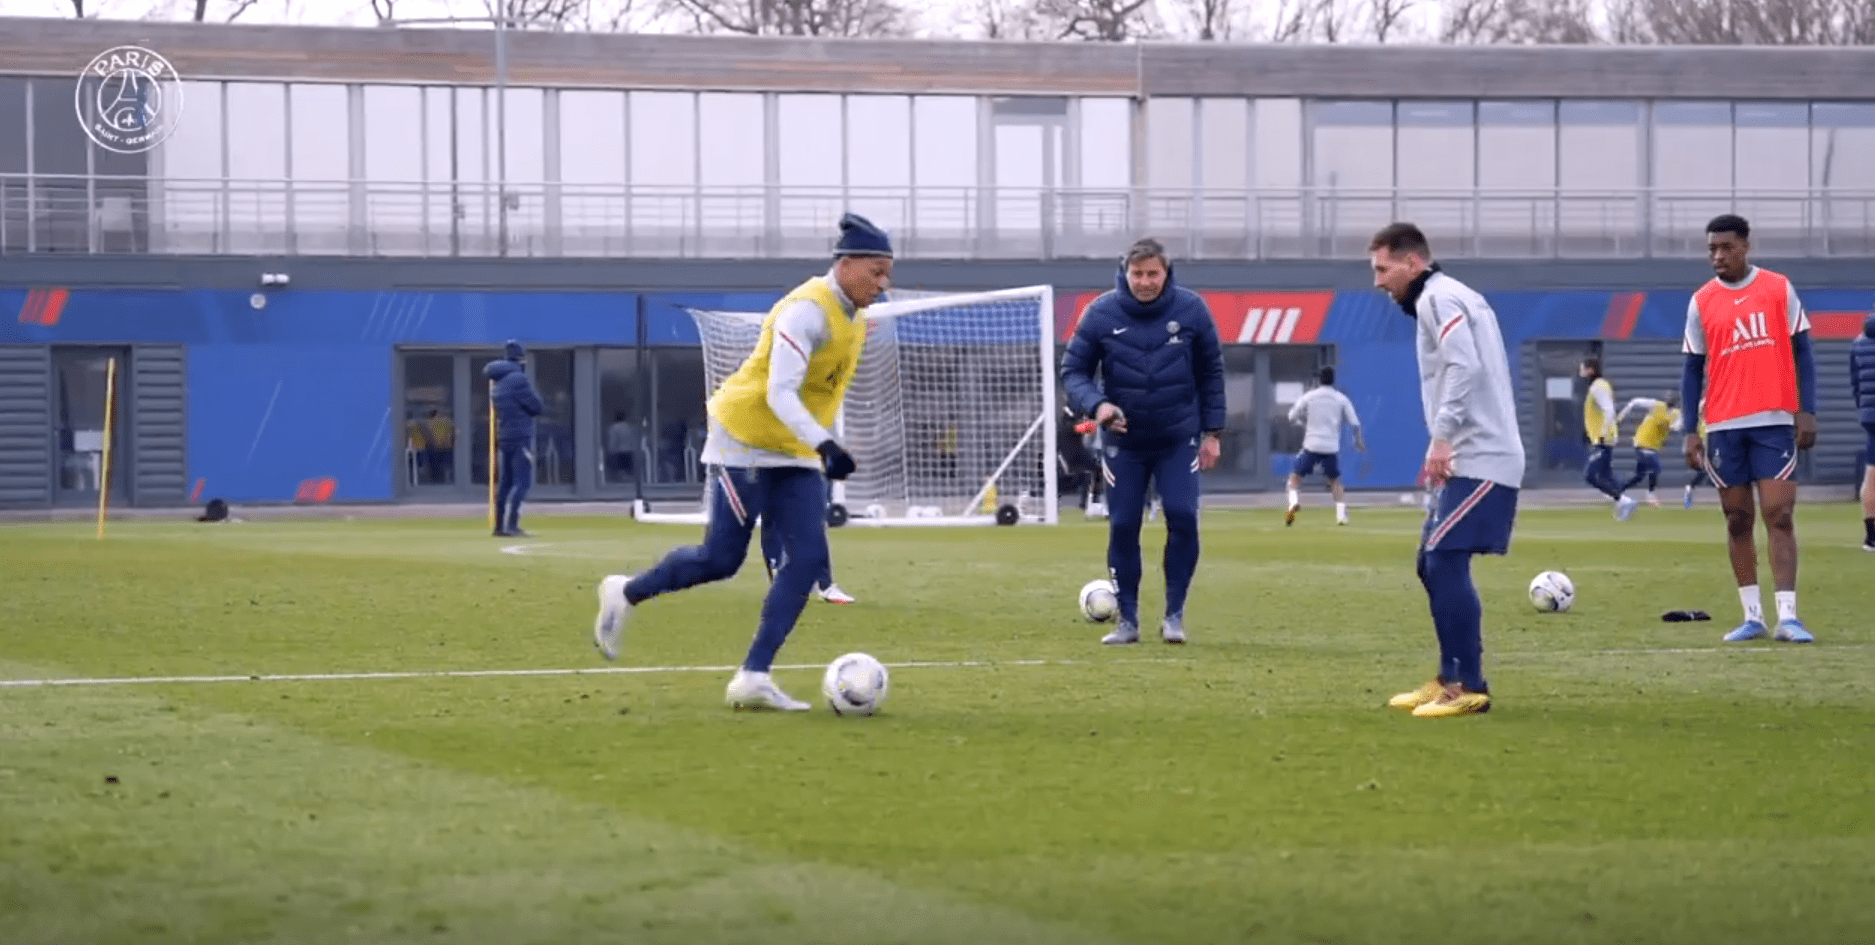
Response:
column 1552, row 592
column 1100, row 601
column 855, row 684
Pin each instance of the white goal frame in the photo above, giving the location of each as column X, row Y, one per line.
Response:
column 1029, row 509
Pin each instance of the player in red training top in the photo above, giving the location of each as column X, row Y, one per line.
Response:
column 1751, row 373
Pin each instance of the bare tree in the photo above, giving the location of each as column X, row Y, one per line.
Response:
column 1743, row 22
column 1110, row 21
column 201, row 10
column 793, row 17
column 1518, row 22
column 1207, row 20
column 1005, row 19
column 1385, row 18
column 385, row 10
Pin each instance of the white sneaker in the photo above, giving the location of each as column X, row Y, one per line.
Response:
column 1097, row 510
column 758, row 691
column 608, row 629
column 833, row 595
column 1625, row 508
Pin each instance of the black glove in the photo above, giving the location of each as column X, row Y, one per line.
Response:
column 836, row 462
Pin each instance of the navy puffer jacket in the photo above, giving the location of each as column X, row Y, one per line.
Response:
column 516, row 403
column 1862, row 372
column 1158, row 361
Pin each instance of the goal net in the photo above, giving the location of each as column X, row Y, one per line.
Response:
column 951, row 413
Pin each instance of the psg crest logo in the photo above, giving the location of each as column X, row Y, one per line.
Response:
column 128, row 100
column 1171, row 328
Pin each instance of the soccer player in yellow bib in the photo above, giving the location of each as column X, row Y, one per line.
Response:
column 770, row 455
column 1598, row 420
column 1658, row 419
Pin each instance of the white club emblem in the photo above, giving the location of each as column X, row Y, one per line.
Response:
column 1171, row 328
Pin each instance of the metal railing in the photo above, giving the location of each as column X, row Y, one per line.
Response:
column 98, row 214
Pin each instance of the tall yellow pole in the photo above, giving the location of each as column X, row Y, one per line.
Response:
column 110, row 434
column 491, row 456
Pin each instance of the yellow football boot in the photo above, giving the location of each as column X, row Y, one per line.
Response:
column 1418, row 697
column 1455, row 700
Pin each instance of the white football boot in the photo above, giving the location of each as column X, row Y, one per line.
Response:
column 1122, row 635
column 1172, row 629
column 758, row 691
column 833, row 595
column 608, row 629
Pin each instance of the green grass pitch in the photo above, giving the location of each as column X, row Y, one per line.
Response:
column 1637, row 782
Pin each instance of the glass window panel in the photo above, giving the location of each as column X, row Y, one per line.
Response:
column 429, row 456
column 1516, row 177
column 13, row 126
column 1106, row 133
column 59, row 142
column 678, row 392
column 946, row 166
column 1353, row 170
column 592, row 171
column 188, row 162
column 1598, row 210
column 256, row 201
column 439, row 194
column 1771, row 146
column 663, row 139
column 477, row 418
column 805, row 123
column 1224, row 159
column 554, row 428
column 1169, row 158
column 1278, row 142
column 320, row 148
column 527, row 138
column 878, row 164
column 623, row 439
column 1692, row 165
column 1019, row 178
column 473, row 162
column 1436, row 164
column 393, row 133
column 592, row 137
column 1842, row 138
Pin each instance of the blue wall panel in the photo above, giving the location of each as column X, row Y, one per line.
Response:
column 302, row 388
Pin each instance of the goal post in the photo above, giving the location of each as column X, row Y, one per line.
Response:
column 951, row 415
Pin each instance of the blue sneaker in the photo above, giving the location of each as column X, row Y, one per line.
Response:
column 1749, row 630
column 1792, row 631
column 1689, row 498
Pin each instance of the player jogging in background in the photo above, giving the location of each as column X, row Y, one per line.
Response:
column 1750, row 367
column 516, row 404
column 1598, row 418
column 770, row 455
column 1322, row 412
column 1862, row 384
column 1658, row 418
column 1475, row 461
column 1160, row 403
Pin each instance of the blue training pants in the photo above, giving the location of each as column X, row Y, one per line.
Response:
column 514, row 476
column 1173, row 469
column 792, row 500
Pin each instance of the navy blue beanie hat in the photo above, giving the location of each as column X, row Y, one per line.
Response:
column 859, row 237
column 514, row 351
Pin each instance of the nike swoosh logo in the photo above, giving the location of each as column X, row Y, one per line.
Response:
column 1738, row 301
column 1118, row 330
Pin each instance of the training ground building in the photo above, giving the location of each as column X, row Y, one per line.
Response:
column 300, row 284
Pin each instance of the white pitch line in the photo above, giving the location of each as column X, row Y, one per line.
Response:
column 482, row 673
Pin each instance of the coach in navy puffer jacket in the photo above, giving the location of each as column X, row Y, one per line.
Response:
column 1157, row 352
column 1862, row 372
column 1159, row 363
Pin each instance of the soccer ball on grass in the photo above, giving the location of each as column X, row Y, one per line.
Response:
column 1552, row 592
column 855, row 684
column 1100, row 601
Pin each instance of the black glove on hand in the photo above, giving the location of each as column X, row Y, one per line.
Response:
column 836, row 462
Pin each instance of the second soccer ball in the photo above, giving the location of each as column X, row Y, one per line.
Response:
column 1552, row 592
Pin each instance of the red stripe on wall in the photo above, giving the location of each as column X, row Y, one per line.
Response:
column 1838, row 325
column 1624, row 312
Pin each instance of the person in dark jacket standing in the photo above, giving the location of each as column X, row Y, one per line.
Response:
column 1862, row 382
column 1160, row 402
column 516, row 405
